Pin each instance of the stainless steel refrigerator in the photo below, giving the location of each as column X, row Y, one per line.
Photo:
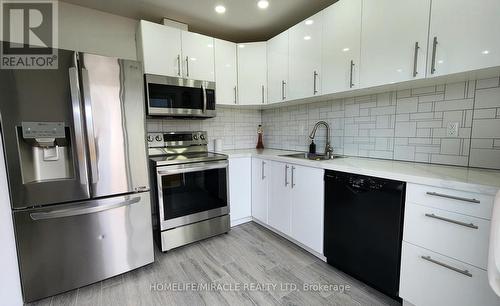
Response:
column 77, row 169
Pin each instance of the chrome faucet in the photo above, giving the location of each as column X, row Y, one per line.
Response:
column 328, row 147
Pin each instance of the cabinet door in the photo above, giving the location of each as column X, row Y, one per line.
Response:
column 240, row 188
column 260, row 178
column 341, row 46
column 305, row 58
column 466, row 33
column 390, row 31
column 277, row 64
column 252, row 73
column 226, row 76
column 279, row 197
column 307, row 208
column 198, row 56
column 159, row 48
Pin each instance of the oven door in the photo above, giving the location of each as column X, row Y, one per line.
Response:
column 178, row 97
column 190, row 193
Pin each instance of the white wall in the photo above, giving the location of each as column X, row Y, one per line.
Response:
column 92, row 31
column 10, row 286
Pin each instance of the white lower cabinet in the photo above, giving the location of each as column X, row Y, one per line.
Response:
column 279, row 197
column 445, row 247
column 240, row 190
column 260, row 181
column 296, row 203
column 307, row 209
column 429, row 278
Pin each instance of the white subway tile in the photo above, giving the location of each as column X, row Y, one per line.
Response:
column 487, row 98
column 455, row 91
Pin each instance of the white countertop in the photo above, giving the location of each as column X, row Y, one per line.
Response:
column 460, row 178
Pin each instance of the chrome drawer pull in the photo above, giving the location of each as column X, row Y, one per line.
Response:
column 469, row 225
column 464, row 272
column 453, row 197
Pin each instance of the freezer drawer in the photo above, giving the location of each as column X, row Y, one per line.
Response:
column 68, row 246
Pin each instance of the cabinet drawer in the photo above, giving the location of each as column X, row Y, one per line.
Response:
column 468, row 203
column 459, row 236
column 428, row 278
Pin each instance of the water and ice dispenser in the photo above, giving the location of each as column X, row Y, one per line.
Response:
column 45, row 151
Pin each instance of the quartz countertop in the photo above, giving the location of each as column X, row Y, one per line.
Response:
column 460, row 178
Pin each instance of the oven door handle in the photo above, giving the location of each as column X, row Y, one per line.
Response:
column 207, row 166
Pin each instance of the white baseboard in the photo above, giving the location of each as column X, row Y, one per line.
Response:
column 240, row 221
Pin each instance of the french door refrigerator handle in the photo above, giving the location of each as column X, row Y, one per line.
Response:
column 78, row 125
column 90, row 209
column 90, row 126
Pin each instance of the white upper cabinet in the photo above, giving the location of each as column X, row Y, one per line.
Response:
column 464, row 35
column 159, row 48
column 252, row 73
column 341, row 46
column 226, row 73
column 198, row 56
column 305, row 58
column 394, row 41
column 277, row 68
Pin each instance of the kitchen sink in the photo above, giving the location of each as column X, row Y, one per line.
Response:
column 310, row 156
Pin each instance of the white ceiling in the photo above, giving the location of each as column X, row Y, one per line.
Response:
column 242, row 22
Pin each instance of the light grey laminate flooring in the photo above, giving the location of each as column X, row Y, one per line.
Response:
column 243, row 266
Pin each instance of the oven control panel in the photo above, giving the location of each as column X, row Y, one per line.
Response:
column 176, row 139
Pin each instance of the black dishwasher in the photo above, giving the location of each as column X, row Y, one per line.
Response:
column 363, row 228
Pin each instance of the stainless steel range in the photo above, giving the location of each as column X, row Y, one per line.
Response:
column 191, row 188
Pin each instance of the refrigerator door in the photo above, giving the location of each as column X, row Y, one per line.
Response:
column 95, row 240
column 44, row 170
column 114, row 111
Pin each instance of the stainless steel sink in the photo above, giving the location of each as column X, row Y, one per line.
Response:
column 309, row 156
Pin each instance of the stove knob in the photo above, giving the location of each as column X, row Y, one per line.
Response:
column 150, row 138
column 195, row 137
column 159, row 138
column 202, row 137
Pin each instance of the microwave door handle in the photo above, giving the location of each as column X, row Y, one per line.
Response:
column 78, row 125
column 90, row 126
column 204, row 90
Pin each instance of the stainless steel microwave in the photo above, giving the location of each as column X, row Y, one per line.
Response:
column 179, row 97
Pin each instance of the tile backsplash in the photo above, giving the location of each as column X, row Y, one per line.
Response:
column 236, row 127
column 408, row 125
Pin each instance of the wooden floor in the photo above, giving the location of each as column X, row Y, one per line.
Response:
column 249, row 255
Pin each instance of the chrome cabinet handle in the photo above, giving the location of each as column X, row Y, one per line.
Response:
column 262, row 94
column 293, row 176
column 283, row 94
column 286, row 175
column 453, row 197
column 179, row 65
column 464, row 272
column 78, row 124
column 263, row 174
column 90, row 127
column 351, row 84
column 315, row 91
column 433, row 60
column 187, row 65
column 415, row 59
column 235, row 96
column 62, row 213
column 469, row 225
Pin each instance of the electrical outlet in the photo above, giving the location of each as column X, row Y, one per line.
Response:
column 452, row 130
